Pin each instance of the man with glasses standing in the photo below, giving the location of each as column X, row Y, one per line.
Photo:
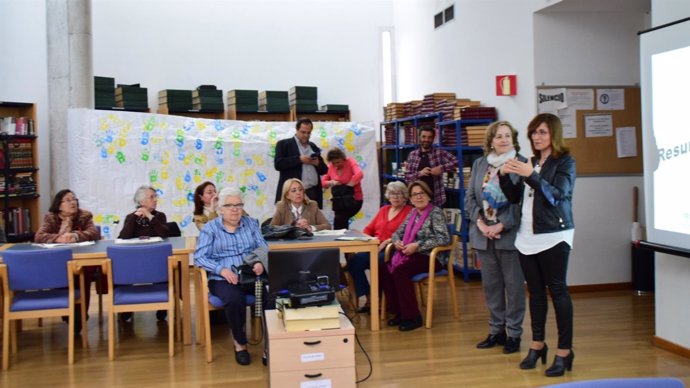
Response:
column 427, row 164
column 299, row 158
column 224, row 243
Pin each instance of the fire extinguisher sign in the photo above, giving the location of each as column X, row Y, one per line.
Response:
column 506, row 85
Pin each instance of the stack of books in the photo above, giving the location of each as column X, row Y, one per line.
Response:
column 393, row 111
column 448, row 107
column 175, row 100
column 131, row 97
column 413, row 108
column 104, row 92
column 303, row 99
column 476, row 134
column 243, row 101
column 207, row 98
column 475, row 112
column 19, row 221
column 274, row 101
column 389, row 134
column 311, row 318
column 429, row 102
column 21, row 154
column 335, row 108
column 17, row 125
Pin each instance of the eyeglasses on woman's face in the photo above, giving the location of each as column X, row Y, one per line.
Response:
column 234, row 206
column 69, row 200
column 417, row 194
column 395, row 194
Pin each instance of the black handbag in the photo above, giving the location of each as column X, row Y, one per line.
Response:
column 343, row 198
column 288, row 232
column 246, row 277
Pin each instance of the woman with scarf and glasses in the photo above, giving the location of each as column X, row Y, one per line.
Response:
column 493, row 226
column 423, row 230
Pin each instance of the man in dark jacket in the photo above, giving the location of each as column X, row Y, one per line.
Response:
column 299, row 158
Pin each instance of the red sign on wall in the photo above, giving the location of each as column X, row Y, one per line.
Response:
column 506, row 85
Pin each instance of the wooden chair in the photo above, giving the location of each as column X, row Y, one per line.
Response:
column 205, row 303
column 37, row 284
column 429, row 279
column 141, row 278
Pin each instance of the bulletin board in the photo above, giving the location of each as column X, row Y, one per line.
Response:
column 608, row 135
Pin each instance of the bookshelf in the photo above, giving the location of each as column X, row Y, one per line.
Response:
column 319, row 115
column 18, row 171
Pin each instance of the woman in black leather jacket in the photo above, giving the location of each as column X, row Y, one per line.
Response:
column 545, row 236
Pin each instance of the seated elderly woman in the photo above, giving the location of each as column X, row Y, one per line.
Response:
column 145, row 220
column 423, row 230
column 297, row 209
column 225, row 242
column 67, row 223
column 382, row 227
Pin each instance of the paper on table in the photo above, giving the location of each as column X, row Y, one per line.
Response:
column 354, row 238
column 328, row 232
column 67, row 245
column 138, row 240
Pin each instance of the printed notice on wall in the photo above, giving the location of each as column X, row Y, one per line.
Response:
column 610, row 99
column 551, row 100
column 626, row 142
column 598, row 125
column 576, row 99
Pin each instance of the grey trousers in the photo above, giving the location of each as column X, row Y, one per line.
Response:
column 504, row 289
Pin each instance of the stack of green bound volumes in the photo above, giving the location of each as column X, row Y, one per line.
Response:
column 274, row 101
column 104, row 92
column 335, row 108
column 303, row 99
column 206, row 98
column 131, row 97
column 175, row 100
column 244, row 101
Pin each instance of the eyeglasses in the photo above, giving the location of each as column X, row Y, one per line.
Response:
column 235, row 206
column 395, row 194
column 70, row 200
column 418, row 194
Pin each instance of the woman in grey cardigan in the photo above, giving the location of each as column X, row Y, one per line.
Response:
column 493, row 226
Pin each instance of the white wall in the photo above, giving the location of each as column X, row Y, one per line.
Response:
column 671, row 272
column 23, row 71
column 246, row 44
column 486, row 39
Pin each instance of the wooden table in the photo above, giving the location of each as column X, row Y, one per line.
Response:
column 94, row 254
column 370, row 246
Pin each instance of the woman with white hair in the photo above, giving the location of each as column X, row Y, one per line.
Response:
column 145, row 220
column 382, row 227
column 223, row 243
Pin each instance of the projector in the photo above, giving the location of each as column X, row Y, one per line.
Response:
column 311, row 294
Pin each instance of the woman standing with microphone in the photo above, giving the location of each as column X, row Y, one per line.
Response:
column 545, row 236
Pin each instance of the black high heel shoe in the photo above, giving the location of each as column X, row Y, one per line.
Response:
column 530, row 361
column 560, row 365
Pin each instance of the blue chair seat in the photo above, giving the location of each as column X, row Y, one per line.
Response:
column 41, row 300
column 421, row 276
column 148, row 293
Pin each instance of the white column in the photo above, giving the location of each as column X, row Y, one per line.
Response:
column 70, row 77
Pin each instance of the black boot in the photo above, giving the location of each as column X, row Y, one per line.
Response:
column 512, row 345
column 493, row 340
column 560, row 365
column 530, row 361
column 410, row 324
